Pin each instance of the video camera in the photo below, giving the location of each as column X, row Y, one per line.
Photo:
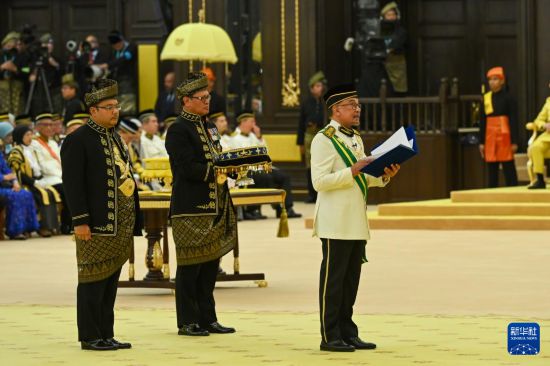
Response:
column 34, row 47
column 372, row 30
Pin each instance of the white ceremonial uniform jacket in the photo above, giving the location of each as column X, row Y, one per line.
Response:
column 152, row 148
column 341, row 210
column 49, row 162
column 239, row 141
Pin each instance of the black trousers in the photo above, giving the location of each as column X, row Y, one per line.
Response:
column 509, row 170
column 66, row 219
column 195, row 293
column 95, row 302
column 276, row 179
column 339, row 281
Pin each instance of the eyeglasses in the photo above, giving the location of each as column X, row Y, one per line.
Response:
column 204, row 98
column 352, row 105
column 110, row 108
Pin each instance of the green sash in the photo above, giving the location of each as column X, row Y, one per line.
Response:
column 349, row 159
column 347, row 155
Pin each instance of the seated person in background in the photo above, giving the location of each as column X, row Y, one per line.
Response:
column 220, row 120
column 23, row 163
column 540, row 149
column 6, row 129
column 128, row 130
column 73, row 125
column 58, row 128
column 47, row 155
column 21, row 218
column 152, row 146
column 248, row 134
column 71, row 103
column 167, row 123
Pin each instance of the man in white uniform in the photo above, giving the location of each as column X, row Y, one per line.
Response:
column 152, row 146
column 340, row 219
column 249, row 134
column 47, row 155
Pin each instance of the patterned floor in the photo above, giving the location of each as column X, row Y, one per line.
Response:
column 45, row 335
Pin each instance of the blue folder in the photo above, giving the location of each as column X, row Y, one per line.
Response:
column 397, row 155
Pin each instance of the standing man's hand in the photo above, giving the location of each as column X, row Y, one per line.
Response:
column 391, row 171
column 482, row 150
column 83, row 232
column 356, row 168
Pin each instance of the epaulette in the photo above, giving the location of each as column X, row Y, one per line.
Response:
column 329, row 131
column 233, row 134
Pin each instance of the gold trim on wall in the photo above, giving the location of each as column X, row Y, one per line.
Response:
column 290, row 87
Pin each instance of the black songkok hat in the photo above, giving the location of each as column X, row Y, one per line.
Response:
column 339, row 94
column 23, row 119
column 245, row 114
column 215, row 114
column 171, row 118
column 43, row 115
column 128, row 125
column 143, row 115
column 102, row 89
column 195, row 81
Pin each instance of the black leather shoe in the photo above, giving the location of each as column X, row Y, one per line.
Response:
column 359, row 344
column 290, row 213
column 337, row 346
column 119, row 345
column 218, row 328
column 258, row 215
column 221, row 271
column 98, row 345
column 193, row 330
column 249, row 216
column 537, row 185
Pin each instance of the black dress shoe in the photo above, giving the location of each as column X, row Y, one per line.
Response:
column 258, row 215
column 218, row 328
column 119, row 345
column 290, row 213
column 221, row 271
column 249, row 216
column 336, row 346
column 537, row 185
column 98, row 345
column 359, row 344
column 193, row 330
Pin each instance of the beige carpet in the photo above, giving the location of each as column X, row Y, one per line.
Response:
column 490, row 275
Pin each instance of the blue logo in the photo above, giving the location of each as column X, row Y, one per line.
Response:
column 523, row 339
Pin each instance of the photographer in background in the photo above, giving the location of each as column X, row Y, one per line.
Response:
column 88, row 54
column 122, row 67
column 43, row 57
column 11, row 87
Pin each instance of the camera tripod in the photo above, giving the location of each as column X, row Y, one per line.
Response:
column 40, row 79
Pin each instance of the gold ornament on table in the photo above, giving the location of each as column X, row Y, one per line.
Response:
column 238, row 162
column 158, row 169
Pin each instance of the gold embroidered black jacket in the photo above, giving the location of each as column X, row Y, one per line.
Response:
column 91, row 178
column 191, row 151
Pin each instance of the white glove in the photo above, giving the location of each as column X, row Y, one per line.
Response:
column 348, row 45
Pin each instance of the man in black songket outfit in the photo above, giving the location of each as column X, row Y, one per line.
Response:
column 104, row 205
column 204, row 222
